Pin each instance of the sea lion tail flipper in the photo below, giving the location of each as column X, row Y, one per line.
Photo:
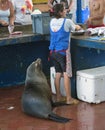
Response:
column 57, row 118
column 57, row 104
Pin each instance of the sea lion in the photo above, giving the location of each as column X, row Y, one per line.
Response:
column 37, row 97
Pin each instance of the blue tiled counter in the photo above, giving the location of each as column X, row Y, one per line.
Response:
column 17, row 52
column 87, row 52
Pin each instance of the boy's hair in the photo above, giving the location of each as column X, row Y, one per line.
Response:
column 57, row 9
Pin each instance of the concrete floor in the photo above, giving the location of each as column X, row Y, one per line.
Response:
column 85, row 116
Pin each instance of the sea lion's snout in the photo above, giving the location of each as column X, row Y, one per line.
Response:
column 38, row 60
column 38, row 64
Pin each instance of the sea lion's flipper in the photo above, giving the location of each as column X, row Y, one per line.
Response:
column 57, row 118
column 61, row 103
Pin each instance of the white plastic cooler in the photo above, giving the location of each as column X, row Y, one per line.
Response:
column 52, row 77
column 90, row 85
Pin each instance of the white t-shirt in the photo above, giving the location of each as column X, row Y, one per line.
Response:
column 56, row 24
column 22, row 18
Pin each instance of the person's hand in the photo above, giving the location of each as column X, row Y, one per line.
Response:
column 3, row 23
column 29, row 5
column 10, row 28
column 89, row 21
column 77, row 27
column 67, row 10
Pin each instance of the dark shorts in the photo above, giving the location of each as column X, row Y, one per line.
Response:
column 59, row 61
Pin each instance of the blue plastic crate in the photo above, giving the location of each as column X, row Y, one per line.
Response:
column 41, row 23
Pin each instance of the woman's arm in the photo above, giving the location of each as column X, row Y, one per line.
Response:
column 50, row 5
column 70, row 6
column 12, row 15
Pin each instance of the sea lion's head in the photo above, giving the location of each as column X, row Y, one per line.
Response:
column 35, row 67
column 34, row 70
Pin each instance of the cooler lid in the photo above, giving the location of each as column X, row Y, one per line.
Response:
column 92, row 73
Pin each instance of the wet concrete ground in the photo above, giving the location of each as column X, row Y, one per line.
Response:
column 85, row 116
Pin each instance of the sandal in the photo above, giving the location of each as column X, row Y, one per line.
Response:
column 73, row 101
column 62, row 99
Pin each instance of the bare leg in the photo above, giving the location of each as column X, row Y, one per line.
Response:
column 67, row 85
column 57, row 85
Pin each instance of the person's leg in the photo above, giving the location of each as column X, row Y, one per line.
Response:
column 57, row 85
column 67, row 85
column 55, row 58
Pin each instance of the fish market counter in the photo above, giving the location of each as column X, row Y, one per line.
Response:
column 18, row 51
column 87, row 52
